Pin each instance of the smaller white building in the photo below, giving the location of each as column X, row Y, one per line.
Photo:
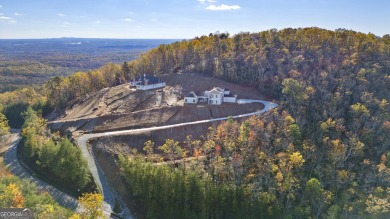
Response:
column 230, row 98
column 147, row 82
column 191, row 98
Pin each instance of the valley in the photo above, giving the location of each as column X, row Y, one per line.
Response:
column 31, row 62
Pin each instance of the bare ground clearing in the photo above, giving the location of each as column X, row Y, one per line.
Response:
column 120, row 107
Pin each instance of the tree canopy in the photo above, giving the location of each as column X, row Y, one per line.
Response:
column 322, row 153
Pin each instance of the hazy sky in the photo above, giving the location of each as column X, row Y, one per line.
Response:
column 180, row 19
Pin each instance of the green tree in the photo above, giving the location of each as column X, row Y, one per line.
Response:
column 70, row 165
column 294, row 91
column 149, row 148
column 4, row 128
column 14, row 113
column 126, row 69
column 295, row 133
column 317, row 197
column 171, row 148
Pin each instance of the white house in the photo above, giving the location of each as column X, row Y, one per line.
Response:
column 215, row 96
column 147, row 82
column 191, row 98
column 229, row 98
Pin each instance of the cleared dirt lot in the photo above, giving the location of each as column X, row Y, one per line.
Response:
column 121, row 107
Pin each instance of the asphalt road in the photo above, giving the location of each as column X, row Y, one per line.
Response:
column 97, row 173
column 12, row 163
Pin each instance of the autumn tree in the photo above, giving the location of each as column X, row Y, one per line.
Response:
column 11, row 197
column 91, row 205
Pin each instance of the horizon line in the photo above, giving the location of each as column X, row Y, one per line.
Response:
column 52, row 38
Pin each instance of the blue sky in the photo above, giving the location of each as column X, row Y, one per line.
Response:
column 179, row 19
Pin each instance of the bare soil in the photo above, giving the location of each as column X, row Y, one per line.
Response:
column 122, row 107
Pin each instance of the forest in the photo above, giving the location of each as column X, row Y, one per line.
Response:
column 17, row 193
column 55, row 159
column 54, row 156
column 323, row 153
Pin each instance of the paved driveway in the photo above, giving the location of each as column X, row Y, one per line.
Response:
column 98, row 174
column 12, row 163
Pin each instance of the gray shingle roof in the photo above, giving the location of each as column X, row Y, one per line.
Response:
column 192, row 94
column 151, row 79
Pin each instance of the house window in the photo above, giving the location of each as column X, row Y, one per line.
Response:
column 211, row 96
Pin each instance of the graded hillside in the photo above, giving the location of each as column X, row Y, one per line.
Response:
column 323, row 153
column 122, row 107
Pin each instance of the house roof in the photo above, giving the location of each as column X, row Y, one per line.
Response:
column 228, row 95
column 151, row 79
column 216, row 90
column 192, row 94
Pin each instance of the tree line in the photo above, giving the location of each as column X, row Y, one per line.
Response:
column 324, row 152
column 262, row 167
column 165, row 192
column 261, row 59
column 53, row 154
column 328, row 141
column 17, row 193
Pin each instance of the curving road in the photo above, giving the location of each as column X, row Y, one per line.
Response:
column 12, row 163
column 97, row 173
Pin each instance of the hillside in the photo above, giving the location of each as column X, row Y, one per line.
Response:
column 120, row 107
column 323, row 153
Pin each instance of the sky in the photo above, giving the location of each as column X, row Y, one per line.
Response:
column 184, row 19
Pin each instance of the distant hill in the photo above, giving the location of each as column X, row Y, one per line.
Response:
column 33, row 61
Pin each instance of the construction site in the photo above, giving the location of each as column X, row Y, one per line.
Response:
column 123, row 107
